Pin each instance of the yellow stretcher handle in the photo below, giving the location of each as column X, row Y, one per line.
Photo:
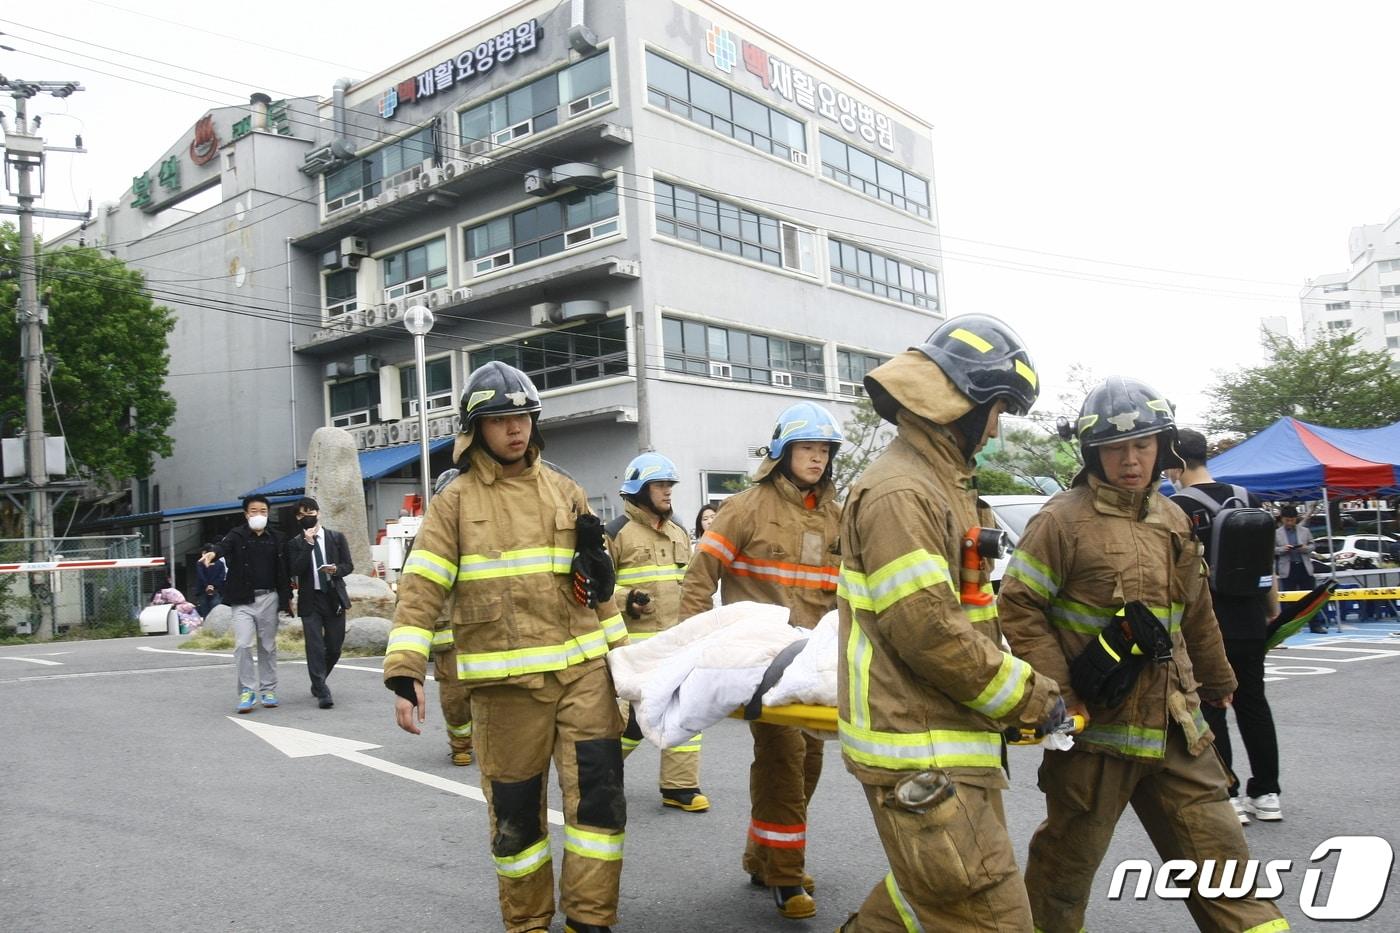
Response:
column 817, row 718
column 1072, row 726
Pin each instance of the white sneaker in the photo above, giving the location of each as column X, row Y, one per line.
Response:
column 1265, row 807
column 1240, row 810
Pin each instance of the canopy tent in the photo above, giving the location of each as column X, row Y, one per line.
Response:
column 1291, row 459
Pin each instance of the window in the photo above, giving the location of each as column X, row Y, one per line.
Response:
column 851, row 367
column 720, row 486
column 1388, row 265
column 877, row 274
column 353, row 401
column 1339, row 325
column 718, row 225
column 874, row 176
column 1391, row 317
column 560, row 358
column 340, row 293
column 439, row 375
column 1336, row 306
column 1392, row 343
column 537, row 106
column 701, row 349
column 690, row 94
column 1390, row 289
column 416, row 269
column 395, row 164
column 1336, row 287
column 541, row 230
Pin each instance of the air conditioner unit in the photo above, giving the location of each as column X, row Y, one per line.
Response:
column 371, row 203
column 354, row 246
column 537, row 181
column 438, row 297
column 337, row 370
column 407, row 190
column 476, row 147
column 452, row 168
column 350, row 261
column 388, row 195
column 393, row 311
column 544, row 314
column 403, row 178
column 477, row 161
column 461, row 294
column 429, row 178
column 799, row 158
column 720, row 370
column 364, row 364
column 330, row 259
column 782, row 379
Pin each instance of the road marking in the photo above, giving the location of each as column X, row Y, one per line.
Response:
column 30, row 660
column 299, row 743
column 197, row 654
column 148, row 670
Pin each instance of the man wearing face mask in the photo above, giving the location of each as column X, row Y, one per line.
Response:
column 256, row 588
column 320, row 560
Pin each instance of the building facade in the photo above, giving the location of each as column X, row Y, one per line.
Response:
column 1364, row 299
column 673, row 221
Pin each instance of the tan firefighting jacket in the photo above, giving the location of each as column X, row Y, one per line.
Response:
column 1087, row 553
column 651, row 555
column 503, row 546
column 770, row 548
column 923, row 682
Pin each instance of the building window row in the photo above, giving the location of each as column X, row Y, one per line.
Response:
column 440, row 396
column 881, row 275
column 1390, row 289
column 695, row 348
column 879, row 178
column 1388, row 265
column 1335, row 287
column 537, row 106
column 417, row 269
column 354, row 402
column 1336, row 306
column 395, row 164
column 1391, row 317
column 559, row 358
column 851, row 369
column 715, row 106
column 542, row 230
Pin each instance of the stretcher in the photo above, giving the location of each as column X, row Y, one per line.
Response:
column 822, row 719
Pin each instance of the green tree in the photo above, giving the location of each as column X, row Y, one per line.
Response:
column 1331, row 381
column 1024, row 455
column 107, row 355
column 867, row 434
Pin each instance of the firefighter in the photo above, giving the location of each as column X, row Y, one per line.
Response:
column 651, row 551
column 776, row 542
column 453, row 695
column 1107, row 593
column 512, row 540
column 924, row 686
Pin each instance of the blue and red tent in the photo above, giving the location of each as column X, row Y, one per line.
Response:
column 1292, row 459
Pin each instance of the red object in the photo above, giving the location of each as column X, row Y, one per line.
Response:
column 379, row 538
column 970, row 593
column 413, row 503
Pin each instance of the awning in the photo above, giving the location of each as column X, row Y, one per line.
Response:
column 374, row 463
column 187, row 513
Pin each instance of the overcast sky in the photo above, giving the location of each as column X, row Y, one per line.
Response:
column 1133, row 186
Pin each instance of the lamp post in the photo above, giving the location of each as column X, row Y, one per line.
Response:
column 418, row 320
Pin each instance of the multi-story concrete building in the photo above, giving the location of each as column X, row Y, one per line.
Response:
column 673, row 221
column 1366, row 298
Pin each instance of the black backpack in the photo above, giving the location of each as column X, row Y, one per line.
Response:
column 1240, row 545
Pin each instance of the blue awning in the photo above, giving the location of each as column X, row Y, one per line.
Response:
column 380, row 461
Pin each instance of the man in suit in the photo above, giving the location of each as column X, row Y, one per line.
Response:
column 319, row 559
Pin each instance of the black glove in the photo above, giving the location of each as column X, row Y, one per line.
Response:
column 594, row 575
column 1053, row 720
column 403, row 686
column 636, row 601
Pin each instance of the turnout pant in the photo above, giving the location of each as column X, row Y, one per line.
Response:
column 455, row 697
column 256, row 623
column 786, row 766
column 1182, row 804
column 570, row 717
column 1253, row 716
column 680, row 764
column 324, row 628
column 951, row 868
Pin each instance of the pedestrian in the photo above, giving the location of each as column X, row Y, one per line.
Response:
column 776, row 543
column 513, row 540
column 210, row 580
column 319, row 559
column 703, row 520
column 257, row 588
column 1106, row 592
column 1293, row 550
column 651, row 552
column 1244, row 622
column 924, row 686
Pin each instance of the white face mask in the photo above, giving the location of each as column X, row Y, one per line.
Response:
column 257, row 522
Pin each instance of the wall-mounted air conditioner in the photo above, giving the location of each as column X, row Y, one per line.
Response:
column 364, row 364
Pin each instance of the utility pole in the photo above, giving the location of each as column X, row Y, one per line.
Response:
column 24, row 150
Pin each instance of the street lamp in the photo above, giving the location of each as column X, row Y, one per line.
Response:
column 419, row 321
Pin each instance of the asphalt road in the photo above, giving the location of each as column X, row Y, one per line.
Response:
column 134, row 799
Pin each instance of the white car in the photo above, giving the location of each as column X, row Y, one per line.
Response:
column 1378, row 551
column 1012, row 513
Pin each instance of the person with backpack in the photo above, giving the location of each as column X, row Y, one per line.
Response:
column 651, row 551
column 1238, row 536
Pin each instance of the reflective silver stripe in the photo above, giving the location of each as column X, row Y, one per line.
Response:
column 607, row 847
column 902, row 906
column 852, row 588
column 525, row 862
column 938, row 748
column 532, row 660
column 1008, row 686
column 515, row 563
column 859, row 652
column 462, row 731
column 1033, row 574
column 650, row 574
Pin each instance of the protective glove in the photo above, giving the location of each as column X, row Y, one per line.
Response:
column 637, row 602
column 1053, row 721
column 593, row 572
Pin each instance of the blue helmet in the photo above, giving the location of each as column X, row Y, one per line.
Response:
column 804, row 421
column 647, row 468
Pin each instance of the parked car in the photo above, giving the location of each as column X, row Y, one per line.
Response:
column 1354, row 552
column 1012, row 513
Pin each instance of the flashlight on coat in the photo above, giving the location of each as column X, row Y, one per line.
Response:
column 979, row 543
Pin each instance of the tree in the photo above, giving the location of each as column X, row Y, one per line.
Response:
column 867, row 434
column 1024, row 455
column 1331, row 381
column 106, row 349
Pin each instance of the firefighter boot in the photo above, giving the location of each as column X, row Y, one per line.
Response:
column 462, row 753
column 808, row 884
column 794, row 902
column 689, row 800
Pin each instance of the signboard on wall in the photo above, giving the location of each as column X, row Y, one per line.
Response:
column 469, row 65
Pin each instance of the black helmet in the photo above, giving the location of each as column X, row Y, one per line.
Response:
column 1119, row 409
column 986, row 361
column 498, row 389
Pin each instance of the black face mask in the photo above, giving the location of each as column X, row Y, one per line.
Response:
column 307, row 522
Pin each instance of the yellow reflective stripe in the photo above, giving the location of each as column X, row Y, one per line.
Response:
column 607, row 847
column 629, row 744
column 488, row 665
column 979, row 615
column 1138, row 741
column 916, row 751
column 1026, row 373
column 859, row 652
column 1005, row 690
column 1090, row 620
column 1033, row 574
column 1109, row 648
column 525, row 862
column 971, row 339
column 905, row 576
column 692, row 745
column 641, row 636
column 515, row 563
column 463, row 731
column 901, row 906
column 614, row 629
column 651, row 573
column 1273, row 926
column 430, row 566
column 851, row 586
column 410, row 638
column 442, row 638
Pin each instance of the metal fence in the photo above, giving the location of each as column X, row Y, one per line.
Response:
column 55, row 601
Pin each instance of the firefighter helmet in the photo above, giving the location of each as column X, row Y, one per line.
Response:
column 647, row 468
column 985, row 360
